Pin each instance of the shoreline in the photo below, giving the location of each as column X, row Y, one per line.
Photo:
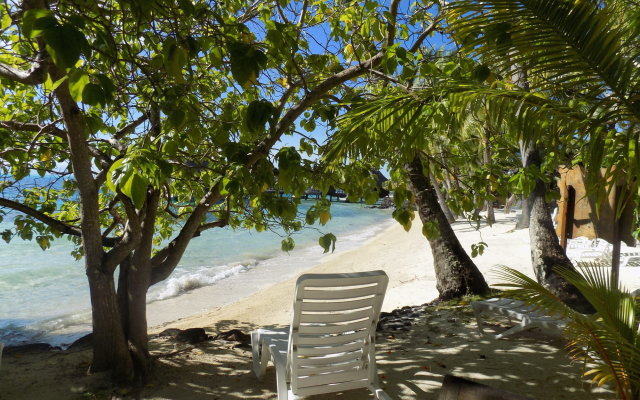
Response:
column 210, row 286
column 411, row 364
column 408, row 262
column 262, row 276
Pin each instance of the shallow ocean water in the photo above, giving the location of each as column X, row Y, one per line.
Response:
column 44, row 295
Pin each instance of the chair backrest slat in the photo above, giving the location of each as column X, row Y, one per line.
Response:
column 347, row 316
column 333, row 330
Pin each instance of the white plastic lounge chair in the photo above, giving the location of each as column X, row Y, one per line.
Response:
column 330, row 344
column 515, row 309
column 629, row 256
column 581, row 250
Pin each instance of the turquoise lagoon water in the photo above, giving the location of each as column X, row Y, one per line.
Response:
column 44, row 295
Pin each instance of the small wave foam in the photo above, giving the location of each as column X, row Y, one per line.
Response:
column 194, row 280
column 60, row 331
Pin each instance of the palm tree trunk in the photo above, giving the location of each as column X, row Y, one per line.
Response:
column 456, row 274
column 546, row 253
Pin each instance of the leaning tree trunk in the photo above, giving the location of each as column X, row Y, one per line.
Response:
column 525, row 217
column 486, row 160
column 509, row 203
column 456, row 274
column 443, row 201
column 546, row 253
column 526, row 150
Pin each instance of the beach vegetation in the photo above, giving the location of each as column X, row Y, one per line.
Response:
column 420, row 140
column 150, row 122
column 608, row 342
column 571, row 81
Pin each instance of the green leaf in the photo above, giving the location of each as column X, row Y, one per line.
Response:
column 108, row 87
column 65, row 43
column 77, row 81
column 310, row 217
column 93, row 95
column 481, row 73
column 43, row 242
column 324, row 217
column 327, row 242
column 135, row 188
column 175, row 57
column 430, row 230
column 6, row 235
column 113, row 172
column 306, row 147
column 246, row 63
column 404, row 217
column 371, row 197
column 170, row 148
column 258, row 114
column 57, row 83
column 6, row 21
column 288, row 244
column 34, row 22
column 177, row 119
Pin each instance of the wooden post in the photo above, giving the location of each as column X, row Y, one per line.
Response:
column 561, row 229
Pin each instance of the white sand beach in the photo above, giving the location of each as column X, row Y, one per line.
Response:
column 411, row 364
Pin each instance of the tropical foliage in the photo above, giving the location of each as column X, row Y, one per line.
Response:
column 579, row 60
column 607, row 341
column 154, row 121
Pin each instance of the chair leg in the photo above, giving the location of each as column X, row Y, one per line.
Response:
column 283, row 389
column 378, row 392
column 518, row 328
column 478, row 313
column 261, row 354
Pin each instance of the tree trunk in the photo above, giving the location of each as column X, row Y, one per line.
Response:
column 525, row 216
column 509, row 203
column 139, row 282
column 110, row 350
column 486, row 158
column 109, row 344
column 526, row 151
column 546, row 253
column 443, row 202
column 456, row 274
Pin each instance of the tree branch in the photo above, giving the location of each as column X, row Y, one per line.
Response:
column 56, row 224
column 37, row 74
column 165, row 260
column 391, row 22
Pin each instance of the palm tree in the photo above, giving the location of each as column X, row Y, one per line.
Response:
column 580, row 62
column 608, row 341
column 403, row 129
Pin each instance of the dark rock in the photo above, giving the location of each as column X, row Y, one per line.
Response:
column 233, row 335
column 171, row 332
column 192, row 336
column 83, row 343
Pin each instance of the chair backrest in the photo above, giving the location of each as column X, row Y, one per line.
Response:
column 332, row 336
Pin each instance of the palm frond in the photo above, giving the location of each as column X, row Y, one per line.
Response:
column 576, row 46
column 608, row 339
